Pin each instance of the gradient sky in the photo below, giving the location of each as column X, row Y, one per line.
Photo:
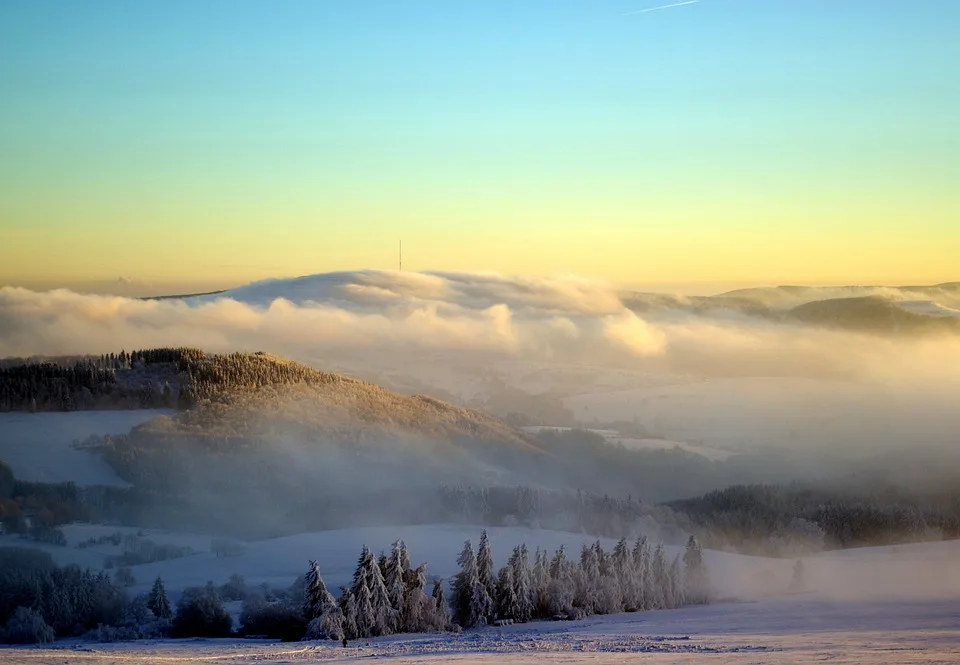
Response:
column 207, row 143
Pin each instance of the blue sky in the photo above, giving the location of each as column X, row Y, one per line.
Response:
column 296, row 136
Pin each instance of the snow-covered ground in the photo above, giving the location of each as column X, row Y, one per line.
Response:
column 799, row 629
column 39, row 446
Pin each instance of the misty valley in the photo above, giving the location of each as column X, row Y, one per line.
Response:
column 172, row 492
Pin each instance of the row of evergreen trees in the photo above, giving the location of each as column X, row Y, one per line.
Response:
column 389, row 596
column 626, row 580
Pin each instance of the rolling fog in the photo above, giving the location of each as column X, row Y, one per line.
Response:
column 721, row 376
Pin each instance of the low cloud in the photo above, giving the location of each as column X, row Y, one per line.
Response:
column 486, row 315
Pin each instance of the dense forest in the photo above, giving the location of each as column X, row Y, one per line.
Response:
column 153, row 378
column 805, row 517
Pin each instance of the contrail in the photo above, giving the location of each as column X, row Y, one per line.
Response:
column 656, row 9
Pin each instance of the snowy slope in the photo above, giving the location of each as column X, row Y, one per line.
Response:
column 39, row 446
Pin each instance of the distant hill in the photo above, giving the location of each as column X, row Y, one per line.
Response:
column 872, row 314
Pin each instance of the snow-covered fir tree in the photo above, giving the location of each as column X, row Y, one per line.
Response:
column 397, row 570
column 440, row 607
column 374, row 614
column 562, row 586
column 626, row 576
column 348, row 613
column 659, row 579
column 417, row 614
column 157, row 601
column 485, row 571
column 540, row 585
column 587, row 593
column 522, row 584
column 320, row 609
column 697, row 581
column 507, row 605
column 316, row 595
column 472, row 604
column 643, row 578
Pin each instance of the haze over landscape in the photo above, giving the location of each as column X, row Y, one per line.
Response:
column 668, row 365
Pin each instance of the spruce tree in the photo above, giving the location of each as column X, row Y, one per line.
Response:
column 660, row 580
column 397, row 570
column 643, row 581
column 540, row 585
column 588, row 582
column 440, row 607
column 348, row 613
column 417, row 613
column 318, row 600
column 486, row 574
column 506, row 594
column 522, row 583
column 562, row 585
column 158, row 602
column 471, row 602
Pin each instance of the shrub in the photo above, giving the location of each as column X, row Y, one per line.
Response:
column 200, row 613
column 26, row 626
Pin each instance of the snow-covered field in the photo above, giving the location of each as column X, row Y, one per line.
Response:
column 798, row 629
column 898, row 604
column 39, row 446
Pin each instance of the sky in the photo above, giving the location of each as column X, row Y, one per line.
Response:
column 198, row 144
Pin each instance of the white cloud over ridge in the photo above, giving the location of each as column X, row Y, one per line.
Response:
column 566, row 319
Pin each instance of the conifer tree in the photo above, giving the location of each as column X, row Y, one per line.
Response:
column 522, row 584
column 417, row 613
column 486, row 574
column 158, row 602
column 471, row 602
column 626, row 575
column 588, row 581
column 676, row 594
column 440, row 607
column 562, row 584
column 506, row 594
column 317, row 596
column 540, row 585
column 397, row 570
column 659, row 579
column 641, row 567
column 348, row 613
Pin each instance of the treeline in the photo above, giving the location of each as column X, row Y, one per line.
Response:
column 40, row 602
column 389, row 596
column 150, row 378
column 787, row 520
column 35, row 509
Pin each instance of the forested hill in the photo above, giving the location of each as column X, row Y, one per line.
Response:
column 154, row 378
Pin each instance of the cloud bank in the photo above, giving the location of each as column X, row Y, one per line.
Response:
column 483, row 314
